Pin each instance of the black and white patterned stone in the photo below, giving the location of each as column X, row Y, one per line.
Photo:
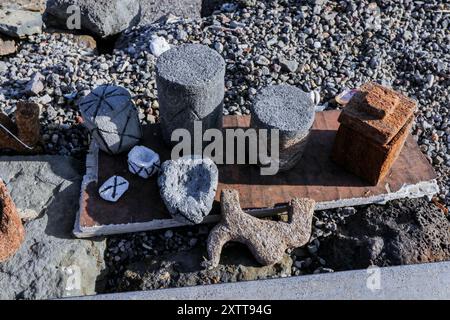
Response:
column 113, row 188
column 111, row 117
column 188, row 187
column 143, row 161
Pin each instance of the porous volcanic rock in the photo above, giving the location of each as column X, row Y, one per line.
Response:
column 183, row 269
column 103, row 18
column 188, row 187
column 267, row 240
column 12, row 232
column 400, row 232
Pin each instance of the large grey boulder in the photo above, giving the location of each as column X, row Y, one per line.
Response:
column 112, row 118
column 103, row 18
column 20, row 23
column 188, row 187
column 51, row 263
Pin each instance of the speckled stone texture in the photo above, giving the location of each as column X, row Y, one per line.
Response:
column 26, row 128
column 112, row 118
column 267, row 240
column 380, row 129
column 188, row 187
column 291, row 111
column 12, row 232
column 190, row 82
column 384, row 113
column 102, row 18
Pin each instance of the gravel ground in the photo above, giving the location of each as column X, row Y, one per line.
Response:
column 316, row 45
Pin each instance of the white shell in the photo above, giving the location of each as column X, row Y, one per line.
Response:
column 158, row 46
column 113, row 188
column 345, row 96
column 315, row 96
column 143, row 161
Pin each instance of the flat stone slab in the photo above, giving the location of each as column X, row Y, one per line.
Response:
column 51, row 263
column 317, row 177
column 20, row 23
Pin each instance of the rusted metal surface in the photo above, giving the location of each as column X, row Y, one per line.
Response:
column 315, row 176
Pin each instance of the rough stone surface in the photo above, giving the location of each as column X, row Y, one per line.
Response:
column 400, row 232
column 12, row 232
column 361, row 118
column 113, row 188
column 291, row 111
column 188, row 187
column 288, row 65
column 35, row 85
column 51, row 260
column 267, row 240
column 143, row 161
column 388, row 115
column 152, row 11
column 29, row 5
column 7, row 47
column 183, row 269
column 101, row 17
column 284, row 107
column 111, row 117
column 26, row 128
column 190, row 81
column 363, row 157
column 20, row 23
column 44, row 173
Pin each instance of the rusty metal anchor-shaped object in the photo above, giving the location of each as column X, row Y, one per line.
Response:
column 267, row 240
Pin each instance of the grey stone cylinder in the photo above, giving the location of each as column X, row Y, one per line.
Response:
column 190, row 83
column 291, row 111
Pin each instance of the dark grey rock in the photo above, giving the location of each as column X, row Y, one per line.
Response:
column 51, row 263
column 101, row 17
column 188, row 187
column 288, row 65
column 190, row 82
column 20, row 23
column 401, row 232
column 291, row 111
column 183, row 269
column 35, row 85
column 111, row 117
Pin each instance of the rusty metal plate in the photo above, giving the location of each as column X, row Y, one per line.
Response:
column 316, row 177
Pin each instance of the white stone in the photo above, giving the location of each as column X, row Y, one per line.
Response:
column 143, row 161
column 113, row 188
column 315, row 96
column 158, row 46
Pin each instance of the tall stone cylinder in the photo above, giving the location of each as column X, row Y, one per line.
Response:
column 190, row 83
